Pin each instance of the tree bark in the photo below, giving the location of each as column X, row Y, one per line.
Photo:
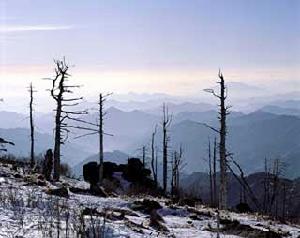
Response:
column 165, row 124
column 215, row 173
column 57, row 137
column 222, row 147
column 210, row 175
column 153, row 157
column 101, row 153
column 32, row 162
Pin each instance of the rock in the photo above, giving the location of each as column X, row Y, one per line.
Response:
column 91, row 212
column 235, row 228
column 98, row 191
column 79, row 190
column 17, row 176
column 156, row 222
column 108, row 169
column 41, row 183
column 195, row 217
column 60, row 192
column 41, row 177
column 14, row 167
column 146, row 206
column 243, row 208
column 91, row 172
column 191, row 202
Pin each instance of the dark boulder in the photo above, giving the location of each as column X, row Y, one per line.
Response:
column 96, row 190
column 243, row 208
column 190, row 202
column 146, row 205
column 91, row 172
column 60, row 192
column 109, row 168
column 136, row 173
column 156, row 222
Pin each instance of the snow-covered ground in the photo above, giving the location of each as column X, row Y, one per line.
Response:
column 27, row 211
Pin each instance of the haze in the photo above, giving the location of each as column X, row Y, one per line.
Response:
column 174, row 47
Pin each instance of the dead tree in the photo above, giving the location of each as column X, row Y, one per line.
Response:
column 166, row 122
column 275, row 181
column 144, row 156
column 244, row 183
column 102, row 114
column 156, row 165
column 97, row 129
column 222, row 131
column 31, row 91
column 266, row 199
column 59, row 92
column 211, row 189
column 215, row 194
column 177, row 166
column 153, row 166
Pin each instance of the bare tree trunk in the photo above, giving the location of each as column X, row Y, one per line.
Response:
column 156, row 166
column 222, row 141
column 101, row 153
column 97, row 129
column 153, row 157
column 173, row 174
column 32, row 162
column 266, row 188
column 215, row 173
column 59, row 91
column 177, row 166
column 144, row 156
column 165, row 124
column 165, row 159
column 222, row 147
column 210, row 174
column 275, row 185
column 243, row 182
column 57, row 136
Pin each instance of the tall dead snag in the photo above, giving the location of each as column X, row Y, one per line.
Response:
column 275, row 181
column 266, row 199
column 97, row 128
column 153, row 166
column 102, row 114
column 32, row 162
column 222, row 131
column 144, row 156
column 59, row 92
column 177, row 166
column 211, row 189
column 215, row 194
column 166, row 122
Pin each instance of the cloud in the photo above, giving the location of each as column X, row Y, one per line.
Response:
column 24, row 28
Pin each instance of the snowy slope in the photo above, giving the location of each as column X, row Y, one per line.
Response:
column 27, row 211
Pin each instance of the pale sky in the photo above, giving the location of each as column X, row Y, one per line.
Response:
column 170, row 46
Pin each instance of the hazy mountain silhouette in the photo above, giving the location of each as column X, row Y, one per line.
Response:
column 251, row 138
column 281, row 110
column 71, row 153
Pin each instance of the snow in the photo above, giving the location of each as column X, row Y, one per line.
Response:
column 28, row 211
